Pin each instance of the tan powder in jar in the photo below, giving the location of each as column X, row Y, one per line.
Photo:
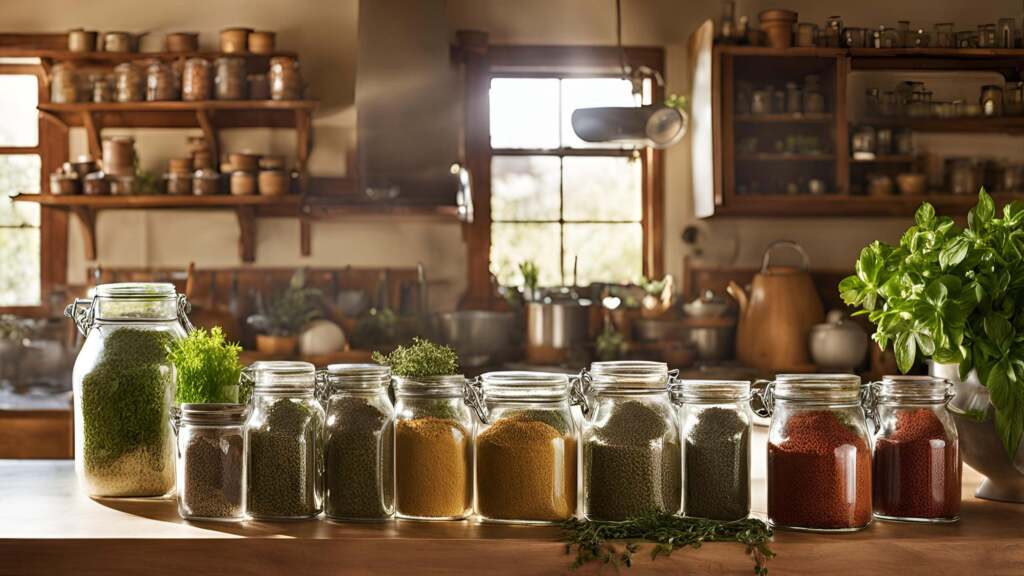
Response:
column 526, row 471
column 432, row 468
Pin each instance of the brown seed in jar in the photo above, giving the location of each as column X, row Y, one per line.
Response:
column 195, row 80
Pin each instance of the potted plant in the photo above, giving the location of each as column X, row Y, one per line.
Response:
column 956, row 296
column 289, row 311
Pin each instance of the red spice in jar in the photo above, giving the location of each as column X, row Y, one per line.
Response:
column 917, row 469
column 819, row 477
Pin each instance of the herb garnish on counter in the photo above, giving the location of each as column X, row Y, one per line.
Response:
column 591, row 540
column 207, row 368
column 421, row 359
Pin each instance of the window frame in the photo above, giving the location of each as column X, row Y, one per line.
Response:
column 482, row 63
column 52, row 149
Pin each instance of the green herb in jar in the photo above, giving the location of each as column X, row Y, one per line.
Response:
column 359, row 467
column 128, row 449
column 207, row 368
column 213, row 475
column 283, row 463
column 717, row 465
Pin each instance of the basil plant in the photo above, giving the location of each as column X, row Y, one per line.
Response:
column 956, row 296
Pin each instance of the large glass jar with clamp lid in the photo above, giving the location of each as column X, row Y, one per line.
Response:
column 631, row 450
column 124, row 388
column 285, row 438
column 525, row 448
column 819, row 452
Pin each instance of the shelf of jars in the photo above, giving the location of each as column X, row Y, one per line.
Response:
column 807, row 205
column 784, row 118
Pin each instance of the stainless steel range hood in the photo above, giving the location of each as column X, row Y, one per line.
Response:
column 408, row 94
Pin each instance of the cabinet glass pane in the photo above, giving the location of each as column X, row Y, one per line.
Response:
column 19, row 121
column 512, row 244
column 525, row 187
column 524, row 113
column 589, row 93
column 606, row 252
column 603, row 188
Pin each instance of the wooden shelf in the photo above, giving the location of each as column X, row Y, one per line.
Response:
column 885, row 159
column 805, row 205
column 179, row 114
column 1003, row 60
column 784, row 118
column 978, row 124
column 119, row 57
column 815, row 51
column 784, row 157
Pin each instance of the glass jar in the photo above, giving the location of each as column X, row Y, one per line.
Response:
column 1006, row 33
column 433, row 448
column 211, row 462
column 230, row 79
column 917, row 464
column 101, row 89
column 525, row 448
column 716, row 432
column 285, row 78
column 819, row 453
column 987, row 36
column 991, row 100
column 195, row 80
column 359, row 443
column 205, row 182
column 129, row 83
column 761, row 101
column 1013, row 98
column 122, row 369
column 813, row 98
column 161, row 84
column 243, row 183
column 833, row 31
column 944, row 35
column 855, row 37
column 806, row 34
column 285, row 439
column 862, row 143
column 963, row 176
column 794, row 98
column 632, row 459
column 178, row 183
column 63, row 84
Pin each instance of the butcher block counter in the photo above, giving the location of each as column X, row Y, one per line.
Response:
column 48, row 528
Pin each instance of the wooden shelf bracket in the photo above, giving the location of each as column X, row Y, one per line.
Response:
column 246, row 233
column 87, row 219
column 92, row 130
column 206, row 123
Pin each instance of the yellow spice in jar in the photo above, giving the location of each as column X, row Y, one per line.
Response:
column 432, row 468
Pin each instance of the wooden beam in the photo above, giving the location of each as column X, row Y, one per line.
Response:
column 246, row 233
column 305, row 234
column 93, row 133
column 87, row 220
column 205, row 120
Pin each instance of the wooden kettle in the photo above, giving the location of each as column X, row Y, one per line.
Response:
column 776, row 317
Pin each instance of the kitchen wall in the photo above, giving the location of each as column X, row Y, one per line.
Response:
column 323, row 33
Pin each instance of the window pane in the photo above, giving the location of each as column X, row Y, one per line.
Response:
column 19, row 122
column 19, row 266
column 607, row 252
column 588, row 93
column 19, row 174
column 512, row 244
column 525, row 187
column 524, row 113
column 603, row 188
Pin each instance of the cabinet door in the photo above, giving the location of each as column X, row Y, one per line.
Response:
column 705, row 156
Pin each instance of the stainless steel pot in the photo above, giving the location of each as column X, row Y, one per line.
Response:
column 560, row 324
column 713, row 343
column 478, row 336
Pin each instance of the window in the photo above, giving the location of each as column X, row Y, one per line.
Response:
column 20, row 172
column 573, row 208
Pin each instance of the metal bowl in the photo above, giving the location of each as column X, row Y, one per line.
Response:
column 478, row 336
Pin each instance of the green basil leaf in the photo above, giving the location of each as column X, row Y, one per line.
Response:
column 906, row 349
column 1010, row 426
column 925, row 343
column 925, row 215
column 1000, row 332
column 852, row 289
column 954, row 253
column 986, row 208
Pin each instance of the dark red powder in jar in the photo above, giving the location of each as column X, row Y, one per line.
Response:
column 917, row 469
column 819, row 477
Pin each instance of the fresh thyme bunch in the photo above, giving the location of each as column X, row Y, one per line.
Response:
column 421, row 359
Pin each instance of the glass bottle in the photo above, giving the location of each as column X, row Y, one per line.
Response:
column 359, row 442
column 794, row 98
column 991, row 100
column 944, row 35
column 122, row 369
column 285, row 437
column 211, row 462
column 986, row 36
column 195, row 80
column 727, row 25
column 716, row 434
column 917, row 465
column 129, row 83
column 631, row 449
column 819, row 453
column 1006, row 32
column 833, row 31
column 433, row 448
column 525, row 448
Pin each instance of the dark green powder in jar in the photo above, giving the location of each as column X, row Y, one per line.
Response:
column 359, row 467
column 125, row 398
column 717, row 465
column 632, row 464
column 284, row 463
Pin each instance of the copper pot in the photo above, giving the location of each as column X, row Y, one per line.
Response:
column 80, row 40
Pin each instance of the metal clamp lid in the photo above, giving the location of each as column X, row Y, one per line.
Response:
column 473, row 396
column 763, row 391
column 579, row 387
column 83, row 313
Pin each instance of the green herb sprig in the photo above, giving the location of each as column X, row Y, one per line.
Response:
column 207, row 368
column 421, row 359
column 592, row 541
column 956, row 296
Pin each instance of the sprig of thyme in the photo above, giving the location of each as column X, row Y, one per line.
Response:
column 591, row 540
column 421, row 359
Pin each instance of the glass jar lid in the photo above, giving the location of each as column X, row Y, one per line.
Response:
column 712, row 390
column 525, row 386
column 452, row 385
column 282, row 375
column 912, row 389
column 630, row 375
column 136, row 301
column 213, row 414
column 358, row 376
column 817, row 387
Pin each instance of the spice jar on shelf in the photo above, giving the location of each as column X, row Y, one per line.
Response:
column 716, row 429
column 794, row 98
column 944, row 35
column 359, row 466
column 855, row 37
column 806, row 34
column 96, row 184
column 195, row 80
column 230, row 79
column 123, row 369
column 525, row 448
column 819, row 453
column 129, row 83
column 285, row 439
column 101, row 88
column 63, row 84
column 234, row 40
column 211, row 461
column 205, row 182
column 917, row 465
column 991, row 100
column 161, row 85
column 243, row 183
column 813, row 98
column 631, row 450
column 285, row 78
column 433, row 448
column 119, row 155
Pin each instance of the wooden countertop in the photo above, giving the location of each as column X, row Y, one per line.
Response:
column 47, row 527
